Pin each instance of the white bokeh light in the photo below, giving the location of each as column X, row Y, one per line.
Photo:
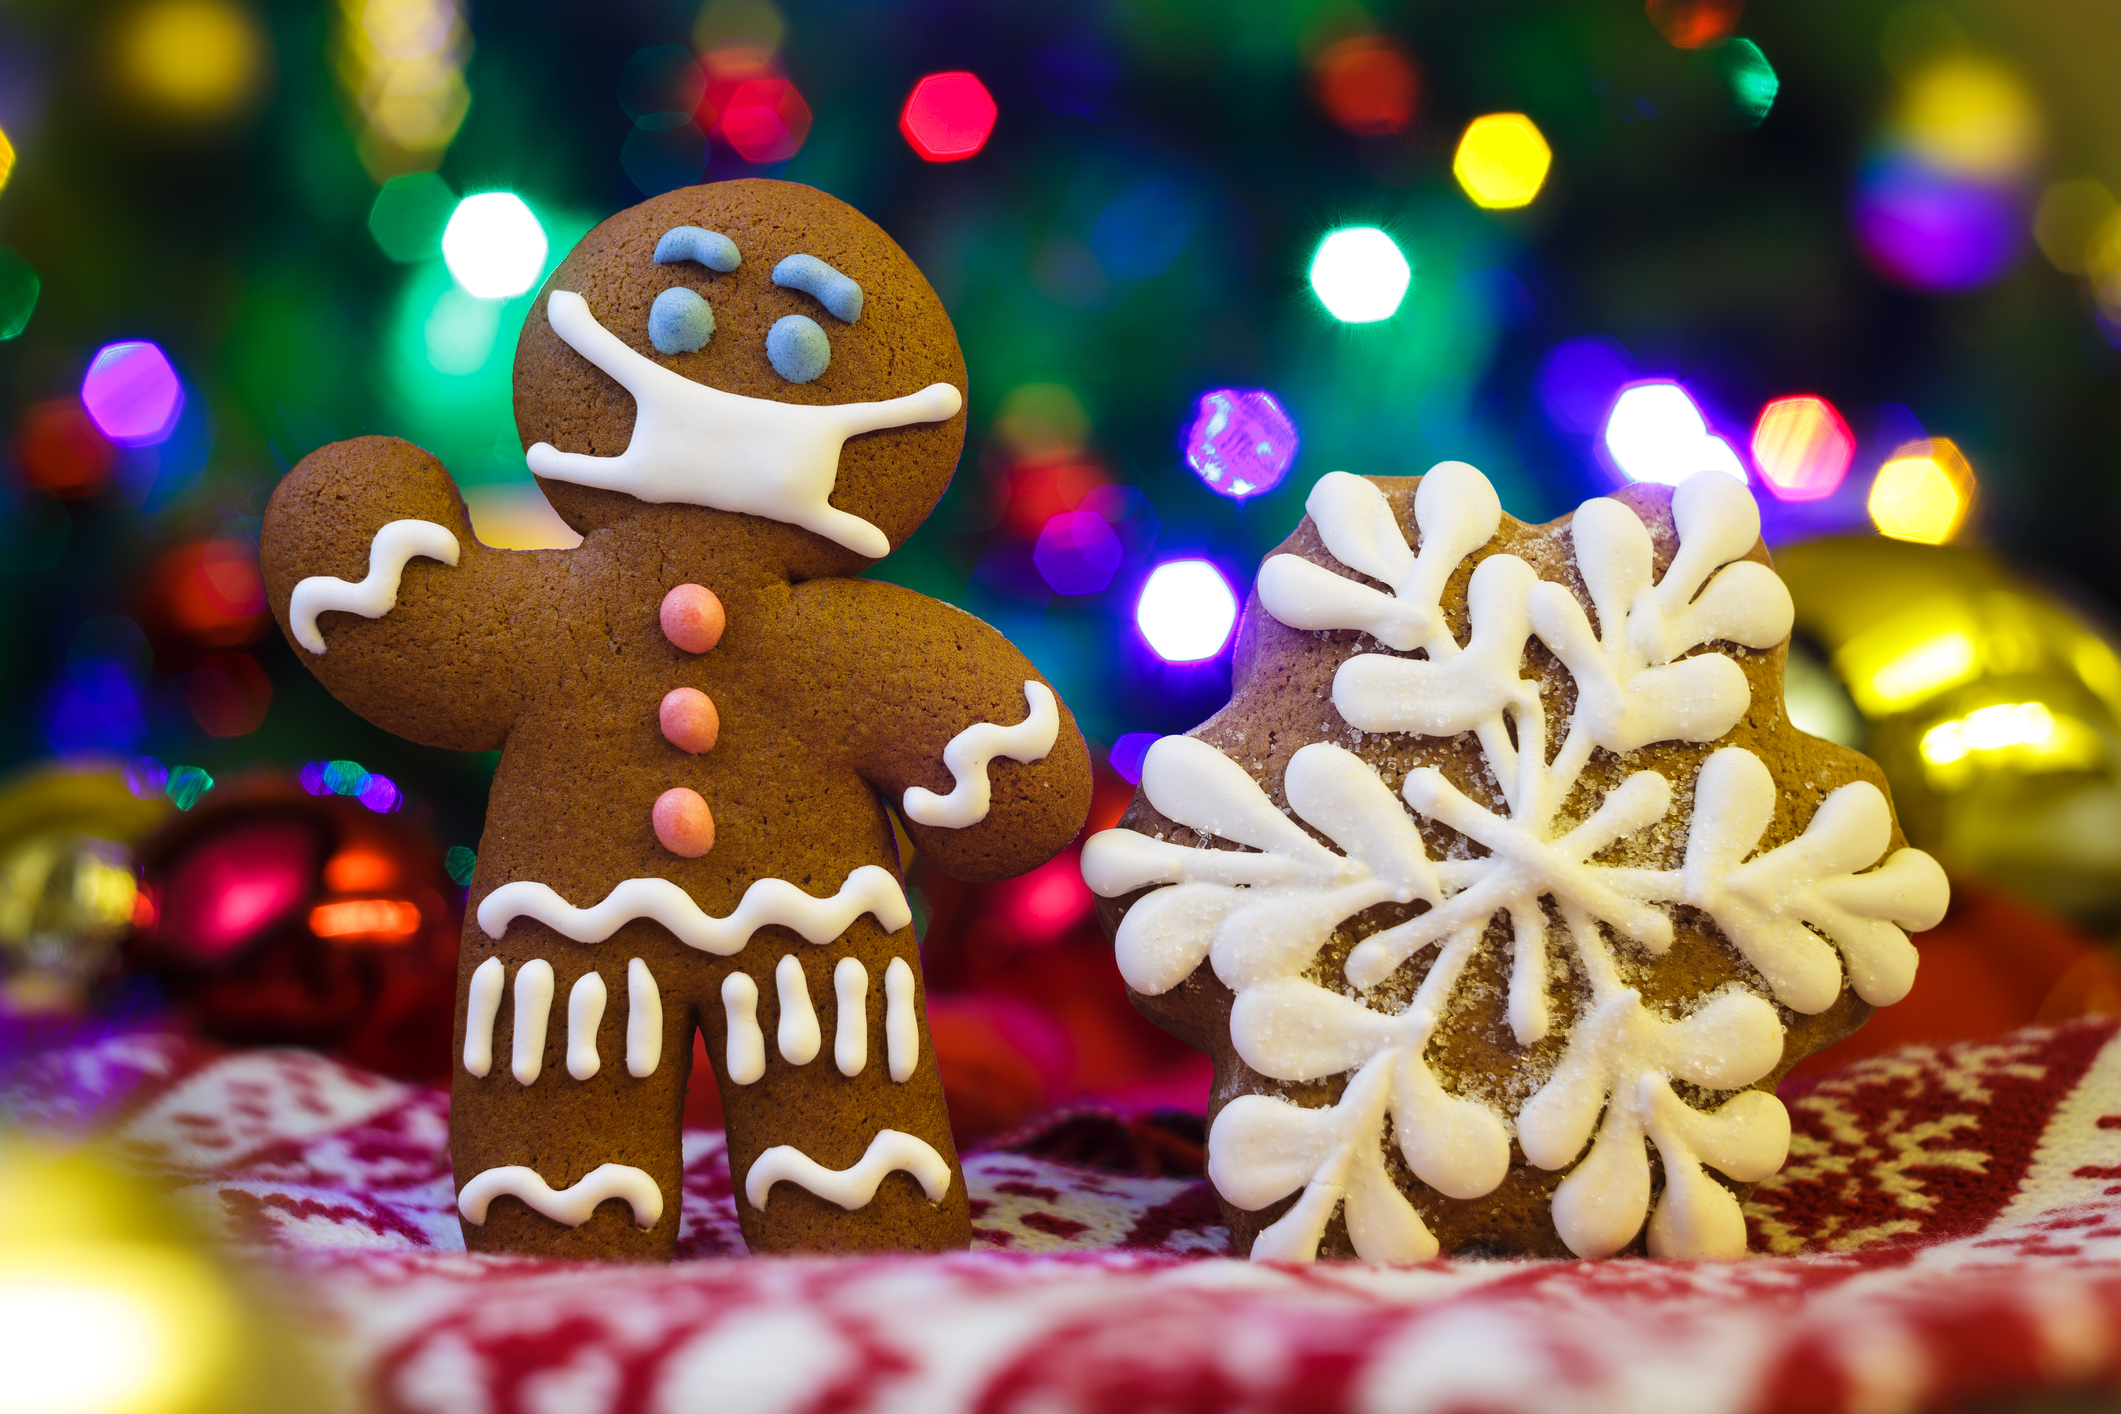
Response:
column 1359, row 275
column 1656, row 433
column 1186, row 611
column 494, row 245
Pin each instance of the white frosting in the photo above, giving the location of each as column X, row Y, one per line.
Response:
column 969, row 753
column 1261, row 915
column 747, row 1046
column 482, row 1003
column 902, row 1029
column 377, row 594
column 585, row 1013
column 705, row 447
column 571, row 1205
column 533, row 1008
column 644, row 1021
column 797, row 1034
column 850, row 1039
column 851, row 1188
column 870, row 889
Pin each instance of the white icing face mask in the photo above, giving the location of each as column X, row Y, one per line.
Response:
column 704, row 447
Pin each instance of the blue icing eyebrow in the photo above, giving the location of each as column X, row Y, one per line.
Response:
column 841, row 297
column 710, row 248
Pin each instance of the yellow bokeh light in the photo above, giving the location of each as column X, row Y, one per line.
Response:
column 195, row 58
column 1502, row 161
column 7, row 160
column 1922, row 493
column 1971, row 116
column 1888, row 682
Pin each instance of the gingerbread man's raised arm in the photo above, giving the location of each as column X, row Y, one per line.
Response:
column 952, row 725
column 374, row 575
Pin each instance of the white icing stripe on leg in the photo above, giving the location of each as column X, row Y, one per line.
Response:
column 902, row 1029
column 644, row 1021
column 854, row 1187
column 585, row 1013
column 482, row 1003
column 798, row 1034
column 870, row 889
column 376, row 595
column 533, row 1006
column 969, row 754
column 571, row 1205
column 850, row 1042
column 747, row 1045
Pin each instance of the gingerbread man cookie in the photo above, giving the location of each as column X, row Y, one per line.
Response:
column 741, row 395
column 1503, row 891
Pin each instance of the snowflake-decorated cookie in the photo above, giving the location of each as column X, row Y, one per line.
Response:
column 1504, row 890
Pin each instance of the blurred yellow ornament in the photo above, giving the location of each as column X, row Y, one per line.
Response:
column 1970, row 116
column 2068, row 221
column 1923, row 492
column 7, row 160
column 1502, row 160
column 192, row 58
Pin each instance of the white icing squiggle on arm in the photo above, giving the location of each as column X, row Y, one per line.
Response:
column 969, row 753
column 869, row 889
column 851, row 1188
column 376, row 595
column 571, row 1205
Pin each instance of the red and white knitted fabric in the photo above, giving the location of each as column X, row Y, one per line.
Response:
column 1947, row 1233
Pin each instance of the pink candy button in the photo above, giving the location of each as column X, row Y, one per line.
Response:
column 683, row 823
column 689, row 720
column 693, row 618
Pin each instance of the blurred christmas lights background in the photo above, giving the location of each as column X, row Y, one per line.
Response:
column 1867, row 255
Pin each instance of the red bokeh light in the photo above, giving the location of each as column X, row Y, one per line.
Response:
column 1033, row 492
column 948, row 117
column 1046, row 904
column 1367, row 85
column 356, row 870
column 228, row 694
column 1802, row 447
column 236, row 886
column 764, row 119
column 1694, row 24
column 211, row 591
column 383, row 920
column 61, row 450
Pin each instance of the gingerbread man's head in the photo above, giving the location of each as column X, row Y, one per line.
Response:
column 751, row 361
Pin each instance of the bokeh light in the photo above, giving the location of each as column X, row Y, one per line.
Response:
column 2069, row 221
column 1128, row 753
column 1971, row 117
column 211, row 592
column 1241, row 442
column 1802, row 448
column 132, row 393
column 7, row 159
column 1923, row 492
column 19, row 288
column 1502, row 161
column 1078, row 552
column 765, row 120
column 1932, row 230
column 402, row 64
column 190, row 58
column 1186, row 611
column 1694, row 24
column 948, row 117
column 1656, row 433
column 185, row 785
column 1141, row 231
column 228, row 695
column 60, row 449
column 409, row 215
column 1579, row 380
column 494, row 245
column 1367, row 85
column 1360, row 275
column 1752, row 80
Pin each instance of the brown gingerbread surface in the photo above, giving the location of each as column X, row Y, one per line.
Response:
column 834, row 695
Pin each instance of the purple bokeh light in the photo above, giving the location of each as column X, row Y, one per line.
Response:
column 1127, row 754
column 380, row 794
column 1241, row 442
column 132, row 393
column 1580, row 379
column 1077, row 553
column 1934, row 231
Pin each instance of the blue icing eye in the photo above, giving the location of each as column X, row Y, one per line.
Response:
column 679, row 321
column 841, row 297
column 710, row 248
column 797, row 348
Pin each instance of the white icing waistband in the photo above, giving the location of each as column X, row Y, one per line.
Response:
column 851, row 1188
column 571, row 1205
column 870, row 889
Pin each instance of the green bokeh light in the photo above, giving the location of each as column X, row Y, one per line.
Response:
column 1752, row 79
column 19, row 288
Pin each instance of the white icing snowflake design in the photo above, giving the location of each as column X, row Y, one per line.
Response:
column 1261, row 914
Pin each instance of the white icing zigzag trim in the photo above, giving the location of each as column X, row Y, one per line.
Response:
column 571, row 1205
column 377, row 595
column 869, row 889
column 705, row 447
column 969, row 753
column 851, row 1188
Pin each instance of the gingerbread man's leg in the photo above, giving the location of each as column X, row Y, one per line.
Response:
column 569, row 1092
column 838, row 1135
